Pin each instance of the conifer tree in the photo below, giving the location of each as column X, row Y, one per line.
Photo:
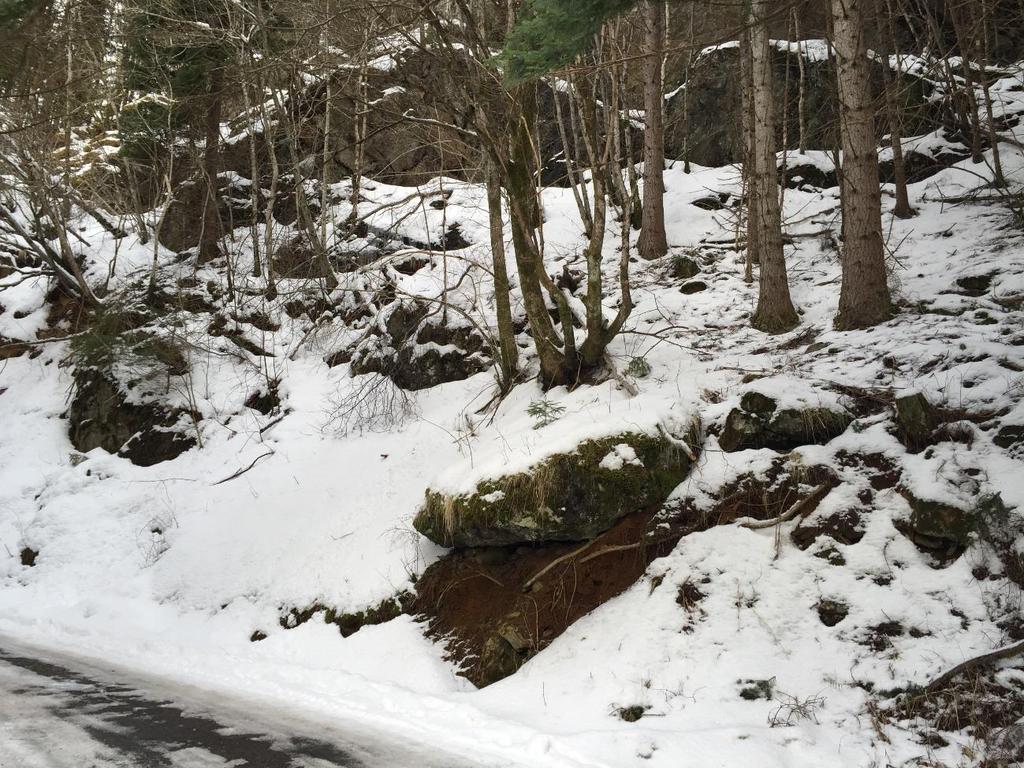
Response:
column 551, row 33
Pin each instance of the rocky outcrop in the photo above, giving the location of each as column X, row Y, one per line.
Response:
column 413, row 84
column 759, row 423
column 707, row 132
column 567, row 497
column 181, row 226
column 101, row 416
column 416, row 349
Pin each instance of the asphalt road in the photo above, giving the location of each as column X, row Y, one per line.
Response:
column 62, row 714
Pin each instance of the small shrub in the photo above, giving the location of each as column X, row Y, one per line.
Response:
column 544, row 412
column 638, row 368
column 792, row 710
column 115, row 336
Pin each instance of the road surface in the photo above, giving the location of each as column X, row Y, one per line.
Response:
column 57, row 713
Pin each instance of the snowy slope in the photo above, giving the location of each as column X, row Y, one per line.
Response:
column 172, row 567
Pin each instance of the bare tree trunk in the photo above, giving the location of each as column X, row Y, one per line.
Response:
column 507, row 349
column 775, row 312
column 891, row 86
column 554, row 353
column 208, row 243
column 801, row 98
column 686, row 93
column 864, row 298
column 747, row 123
column 963, row 36
column 652, row 243
column 254, row 192
column 579, row 190
column 998, row 179
column 359, row 126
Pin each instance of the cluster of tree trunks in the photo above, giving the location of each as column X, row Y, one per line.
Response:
column 496, row 121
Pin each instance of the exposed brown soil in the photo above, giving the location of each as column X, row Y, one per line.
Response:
column 472, row 596
column 494, row 612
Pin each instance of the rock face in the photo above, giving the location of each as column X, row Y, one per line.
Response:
column 567, row 497
column 416, row 349
column 101, row 417
column 758, row 423
column 714, row 109
column 182, row 223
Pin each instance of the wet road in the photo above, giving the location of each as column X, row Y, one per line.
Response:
column 52, row 716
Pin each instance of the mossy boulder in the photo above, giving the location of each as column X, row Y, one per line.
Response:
column 568, row 497
column 759, row 423
column 916, row 419
column 939, row 528
column 684, row 267
column 348, row 623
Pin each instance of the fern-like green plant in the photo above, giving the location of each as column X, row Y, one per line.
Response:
column 544, row 412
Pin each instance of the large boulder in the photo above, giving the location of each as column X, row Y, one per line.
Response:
column 567, row 497
column 101, row 415
column 760, row 423
column 942, row 529
column 417, row 349
column 411, row 83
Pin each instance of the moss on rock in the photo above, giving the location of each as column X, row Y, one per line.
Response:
column 759, row 423
column 568, row 497
column 348, row 623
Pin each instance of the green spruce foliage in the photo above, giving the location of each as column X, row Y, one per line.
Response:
column 551, row 33
column 172, row 49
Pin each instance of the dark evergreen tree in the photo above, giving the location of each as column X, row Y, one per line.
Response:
column 551, row 33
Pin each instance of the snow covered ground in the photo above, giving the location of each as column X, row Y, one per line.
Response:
column 171, row 568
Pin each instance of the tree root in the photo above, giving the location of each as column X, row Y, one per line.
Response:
column 799, row 507
column 986, row 659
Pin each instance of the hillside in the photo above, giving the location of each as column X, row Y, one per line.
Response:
column 301, row 474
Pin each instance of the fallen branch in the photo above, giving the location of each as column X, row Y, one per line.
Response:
column 273, row 423
column 241, row 472
column 813, row 497
column 978, row 661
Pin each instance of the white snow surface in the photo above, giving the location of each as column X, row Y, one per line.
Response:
column 170, row 568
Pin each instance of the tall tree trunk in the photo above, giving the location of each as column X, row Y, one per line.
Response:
column 802, row 98
column 775, row 312
column 864, row 298
column 508, row 352
column 747, row 127
column 208, row 243
column 998, row 179
column 891, row 85
column 652, row 243
column 686, row 93
column 962, row 28
column 553, row 352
